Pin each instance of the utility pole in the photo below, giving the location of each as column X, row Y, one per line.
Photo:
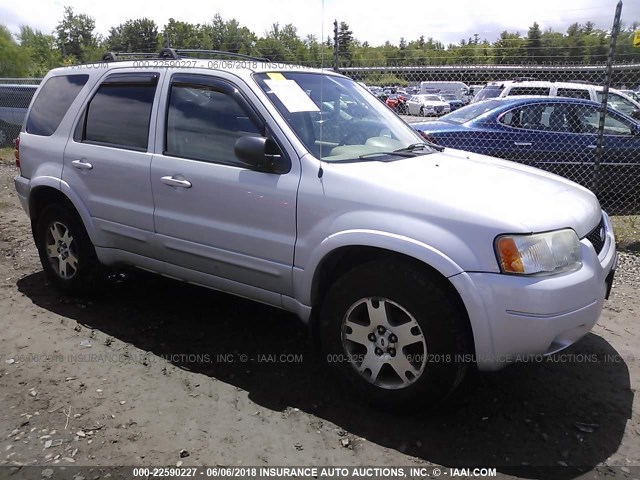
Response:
column 615, row 31
column 335, row 45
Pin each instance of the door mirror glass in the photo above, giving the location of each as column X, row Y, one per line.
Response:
column 261, row 153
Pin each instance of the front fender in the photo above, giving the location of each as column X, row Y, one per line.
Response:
column 304, row 279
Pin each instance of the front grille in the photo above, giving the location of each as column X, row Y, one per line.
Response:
column 438, row 109
column 597, row 236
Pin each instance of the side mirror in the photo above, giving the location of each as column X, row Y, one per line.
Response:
column 636, row 114
column 262, row 154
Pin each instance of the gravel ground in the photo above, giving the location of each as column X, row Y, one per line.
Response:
column 153, row 372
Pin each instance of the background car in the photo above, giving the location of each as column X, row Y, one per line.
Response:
column 397, row 103
column 587, row 91
column 556, row 134
column 424, row 105
column 453, row 101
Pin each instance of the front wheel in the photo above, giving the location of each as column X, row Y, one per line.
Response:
column 66, row 253
column 394, row 335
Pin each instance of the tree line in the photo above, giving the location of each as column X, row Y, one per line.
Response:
column 74, row 40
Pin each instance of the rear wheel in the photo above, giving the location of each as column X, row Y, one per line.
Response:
column 394, row 335
column 421, row 112
column 66, row 253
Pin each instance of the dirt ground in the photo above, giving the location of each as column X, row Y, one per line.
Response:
column 154, row 372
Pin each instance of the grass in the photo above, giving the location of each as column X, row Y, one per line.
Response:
column 627, row 230
column 626, row 227
column 6, row 156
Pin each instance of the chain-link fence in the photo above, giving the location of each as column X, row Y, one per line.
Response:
column 15, row 96
column 547, row 116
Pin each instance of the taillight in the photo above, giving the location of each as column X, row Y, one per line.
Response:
column 16, row 151
column 428, row 137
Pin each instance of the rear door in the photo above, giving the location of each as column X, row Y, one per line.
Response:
column 108, row 160
column 546, row 135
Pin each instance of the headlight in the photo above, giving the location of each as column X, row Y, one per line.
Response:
column 540, row 253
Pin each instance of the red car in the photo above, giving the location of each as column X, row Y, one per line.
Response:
column 397, row 103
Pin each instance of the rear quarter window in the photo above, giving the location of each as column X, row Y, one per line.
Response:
column 52, row 103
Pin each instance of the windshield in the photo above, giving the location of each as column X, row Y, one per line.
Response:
column 488, row 92
column 335, row 118
column 619, row 103
column 470, row 112
column 448, row 96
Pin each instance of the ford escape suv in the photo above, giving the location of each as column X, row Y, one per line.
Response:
column 299, row 189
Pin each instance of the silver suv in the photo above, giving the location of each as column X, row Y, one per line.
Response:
column 299, row 189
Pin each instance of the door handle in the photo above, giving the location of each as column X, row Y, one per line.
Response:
column 176, row 182
column 523, row 144
column 82, row 164
column 592, row 146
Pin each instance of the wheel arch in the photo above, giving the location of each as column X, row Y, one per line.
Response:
column 46, row 194
column 343, row 252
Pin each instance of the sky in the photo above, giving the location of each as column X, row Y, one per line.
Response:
column 373, row 21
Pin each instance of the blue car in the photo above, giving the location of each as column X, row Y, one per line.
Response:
column 553, row 133
column 454, row 102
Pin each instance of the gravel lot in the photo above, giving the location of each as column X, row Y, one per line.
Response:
column 154, row 372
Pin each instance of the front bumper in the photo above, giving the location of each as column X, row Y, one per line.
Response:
column 514, row 317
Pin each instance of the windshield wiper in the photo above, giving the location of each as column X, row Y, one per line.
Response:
column 397, row 153
column 369, row 156
column 420, row 146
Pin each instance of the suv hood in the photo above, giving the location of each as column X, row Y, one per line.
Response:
column 498, row 194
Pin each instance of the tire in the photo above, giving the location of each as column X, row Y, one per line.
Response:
column 66, row 253
column 423, row 335
column 421, row 112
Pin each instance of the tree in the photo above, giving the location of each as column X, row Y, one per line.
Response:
column 533, row 45
column 185, row 35
column 14, row 60
column 75, row 37
column 345, row 41
column 41, row 49
column 509, row 49
column 139, row 35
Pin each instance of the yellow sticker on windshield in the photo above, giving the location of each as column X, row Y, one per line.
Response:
column 275, row 76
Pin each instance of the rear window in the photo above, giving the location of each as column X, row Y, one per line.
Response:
column 544, row 91
column 52, row 103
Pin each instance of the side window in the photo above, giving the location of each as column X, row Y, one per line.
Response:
column 574, row 93
column 119, row 113
column 544, row 91
column 589, row 118
column 52, row 103
column 511, row 118
column 204, row 124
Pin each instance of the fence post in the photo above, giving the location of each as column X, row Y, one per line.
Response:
column 615, row 30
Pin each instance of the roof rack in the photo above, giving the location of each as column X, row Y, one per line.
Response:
column 181, row 51
column 175, row 54
column 165, row 53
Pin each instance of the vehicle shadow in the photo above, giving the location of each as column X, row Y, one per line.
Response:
column 524, row 420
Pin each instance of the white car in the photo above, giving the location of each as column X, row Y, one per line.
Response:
column 616, row 99
column 408, row 261
column 425, row 104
